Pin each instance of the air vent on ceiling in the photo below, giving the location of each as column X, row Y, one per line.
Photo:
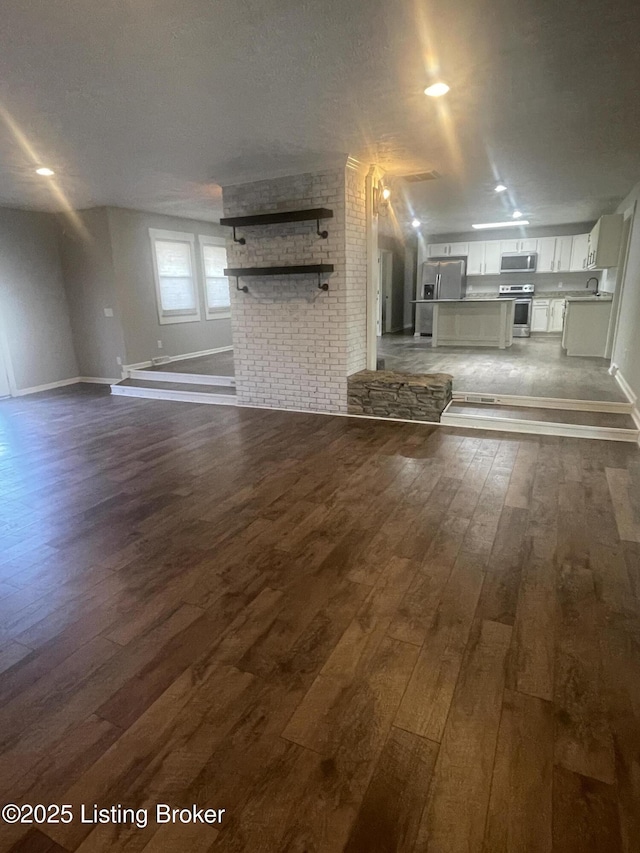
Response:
column 422, row 176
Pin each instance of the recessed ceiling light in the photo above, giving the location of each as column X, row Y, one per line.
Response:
column 517, row 214
column 508, row 224
column 436, row 90
column 500, row 188
column 416, row 223
column 43, row 170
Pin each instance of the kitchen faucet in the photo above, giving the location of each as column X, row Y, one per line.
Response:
column 593, row 278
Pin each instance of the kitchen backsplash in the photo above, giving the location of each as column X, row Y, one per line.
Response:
column 566, row 284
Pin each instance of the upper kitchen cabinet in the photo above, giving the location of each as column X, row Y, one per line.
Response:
column 579, row 253
column 511, row 246
column 604, row 242
column 564, row 247
column 554, row 254
column 546, row 254
column 484, row 257
column 445, row 250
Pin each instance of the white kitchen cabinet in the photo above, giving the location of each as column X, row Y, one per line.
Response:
column 540, row 315
column 547, row 315
column 554, row 254
column 546, row 254
column 604, row 242
column 556, row 315
column 475, row 258
column 579, row 253
column 492, row 255
column 483, row 257
column 444, row 250
column 528, row 245
column 564, row 246
column 458, row 249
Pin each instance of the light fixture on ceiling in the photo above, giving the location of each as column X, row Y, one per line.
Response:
column 508, row 224
column 500, row 188
column 386, row 194
column 45, row 171
column 416, row 223
column 436, row 90
column 517, row 214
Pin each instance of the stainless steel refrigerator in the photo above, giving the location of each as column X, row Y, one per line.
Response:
column 439, row 280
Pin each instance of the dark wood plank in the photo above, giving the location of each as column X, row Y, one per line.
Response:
column 585, row 816
column 520, row 808
column 390, row 813
column 455, row 817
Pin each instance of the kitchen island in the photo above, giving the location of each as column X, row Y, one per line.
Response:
column 471, row 322
column 586, row 325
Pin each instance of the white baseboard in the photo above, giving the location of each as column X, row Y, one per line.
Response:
column 62, row 383
column 543, row 402
column 97, row 380
column 628, row 392
column 142, row 364
column 626, row 389
column 538, row 427
column 49, row 386
column 176, row 396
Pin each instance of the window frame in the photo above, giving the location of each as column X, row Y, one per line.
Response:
column 176, row 237
column 212, row 314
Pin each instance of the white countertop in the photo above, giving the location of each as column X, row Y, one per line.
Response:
column 596, row 299
column 462, row 301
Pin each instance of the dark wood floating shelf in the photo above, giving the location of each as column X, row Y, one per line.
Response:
column 240, row 272
column 316, row 213
column 305, row 269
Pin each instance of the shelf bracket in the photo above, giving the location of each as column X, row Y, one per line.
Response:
column 244, row 287
column 323, row 234
column 240, row 240
column 322, row 285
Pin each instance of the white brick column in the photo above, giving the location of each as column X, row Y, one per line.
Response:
column 295, row 345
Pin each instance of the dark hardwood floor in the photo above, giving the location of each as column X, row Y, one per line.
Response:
column 350, row 635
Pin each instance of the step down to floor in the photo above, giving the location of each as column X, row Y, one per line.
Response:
column 219, row 395
column 183, row 378
column 609, row 425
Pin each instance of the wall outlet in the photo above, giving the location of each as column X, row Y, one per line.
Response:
column 560, row 285
column 119, row 360
column 159, row 344
column 108, row 312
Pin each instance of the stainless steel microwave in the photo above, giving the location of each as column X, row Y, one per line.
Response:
column 519, row 262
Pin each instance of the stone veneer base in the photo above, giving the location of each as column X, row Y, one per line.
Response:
column 387, row 394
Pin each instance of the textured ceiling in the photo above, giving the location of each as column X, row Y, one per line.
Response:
column 152, row 105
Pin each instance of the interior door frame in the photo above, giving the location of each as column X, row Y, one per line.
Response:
column 621, row 277
column 385, row 257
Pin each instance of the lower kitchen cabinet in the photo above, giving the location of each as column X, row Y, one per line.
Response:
column 547, row 315
column 556, row 315
column 540, row 315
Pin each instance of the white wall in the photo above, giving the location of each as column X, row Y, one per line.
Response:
column 626, row 354
column 33, row 306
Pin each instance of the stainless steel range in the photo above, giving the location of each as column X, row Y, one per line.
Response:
column 522, row 294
